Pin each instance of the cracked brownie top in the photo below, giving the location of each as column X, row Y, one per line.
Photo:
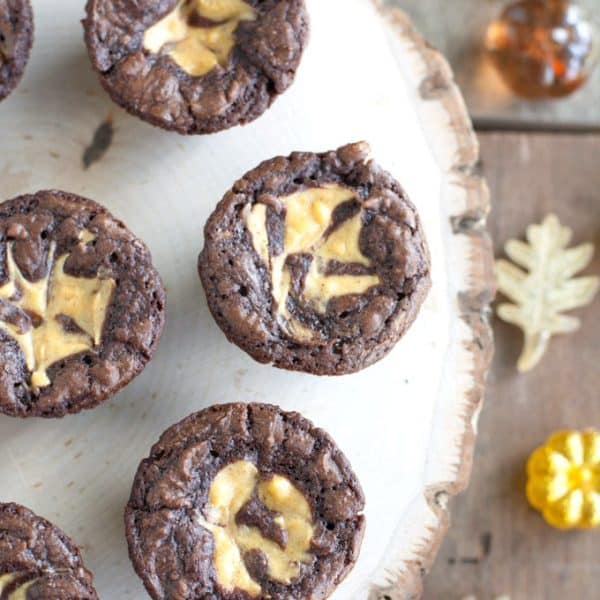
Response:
column 196, row 66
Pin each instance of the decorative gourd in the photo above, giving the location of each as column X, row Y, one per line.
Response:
column 564, row 479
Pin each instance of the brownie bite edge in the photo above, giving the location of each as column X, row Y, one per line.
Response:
column 38, row 560
column 247, row 485
column 81, row 306
column 196, row 67
column 316, row 262
column 16, row 39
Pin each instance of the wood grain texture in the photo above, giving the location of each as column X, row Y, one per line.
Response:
column 497, row 544
column 457, row 28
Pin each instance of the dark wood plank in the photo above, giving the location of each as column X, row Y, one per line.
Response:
column 457, row 28
column 497, row 544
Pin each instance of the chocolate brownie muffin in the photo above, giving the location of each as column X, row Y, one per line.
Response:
column 196, row 66
column 315, row 262
column 38, row 561
column 81, row 306
column 244, row 501
column 16, row 38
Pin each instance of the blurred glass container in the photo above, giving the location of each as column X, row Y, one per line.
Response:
column 543, row 48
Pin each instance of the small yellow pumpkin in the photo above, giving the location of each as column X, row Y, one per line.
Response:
column 563, row 479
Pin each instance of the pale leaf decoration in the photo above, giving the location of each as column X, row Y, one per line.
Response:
column 547, row 289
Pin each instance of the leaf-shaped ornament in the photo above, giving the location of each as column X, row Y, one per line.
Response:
column 542, row 293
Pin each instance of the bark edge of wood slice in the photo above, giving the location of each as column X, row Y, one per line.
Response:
column 450, row 132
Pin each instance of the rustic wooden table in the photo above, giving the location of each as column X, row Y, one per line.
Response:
column 456, row 27
column 496, row 544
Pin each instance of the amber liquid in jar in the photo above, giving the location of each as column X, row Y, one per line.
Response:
column 542, row 48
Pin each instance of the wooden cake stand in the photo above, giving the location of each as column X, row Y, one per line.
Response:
column 407, row 423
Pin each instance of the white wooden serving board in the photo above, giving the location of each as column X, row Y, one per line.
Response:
column 407, row 423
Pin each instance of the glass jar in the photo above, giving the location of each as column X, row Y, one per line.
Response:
column 543, row 48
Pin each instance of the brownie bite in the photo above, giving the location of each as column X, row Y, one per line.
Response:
column 315, row 262
column 38, row 561
column 16, row 38
column 81, row 306
column 196, row 66
column 244, row 501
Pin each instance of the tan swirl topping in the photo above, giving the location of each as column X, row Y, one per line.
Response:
column 307, row 221
column 199, row 34
column 6, row 580
column 49, row 301
column 231, row 489
column 20, row 593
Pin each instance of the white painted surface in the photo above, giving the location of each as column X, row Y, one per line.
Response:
column 397, row 421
